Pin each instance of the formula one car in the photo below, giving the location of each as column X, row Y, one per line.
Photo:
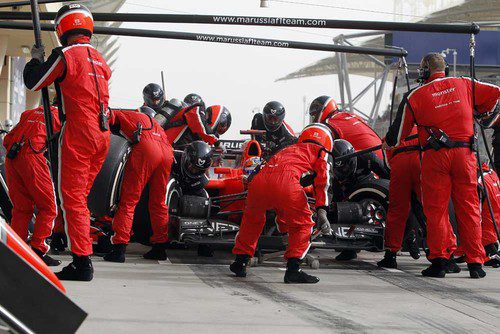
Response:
column 358, row 222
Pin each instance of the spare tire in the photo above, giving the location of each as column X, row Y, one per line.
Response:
column 105, row 192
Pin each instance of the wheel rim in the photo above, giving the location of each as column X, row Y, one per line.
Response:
column 376, row 211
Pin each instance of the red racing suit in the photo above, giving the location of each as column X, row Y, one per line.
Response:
column 277, row 187
column 446, row 104
column 187, row 126
column 489, row 234
column 81, row 76
column 404, row 162
column 150, row 162
column 28, row 178
column 354, row 129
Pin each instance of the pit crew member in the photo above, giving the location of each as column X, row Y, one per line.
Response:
column 278, row 133
column 345, row 125
column 81, row 78
column 29, row 181
column 443, row 112
column 276, row 186
column 149, row 163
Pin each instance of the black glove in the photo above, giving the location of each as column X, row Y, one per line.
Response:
column 38, row 52
column 322, row 222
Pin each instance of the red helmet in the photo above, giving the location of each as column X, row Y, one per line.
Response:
column 73, row 19
column 319, row 134
column 218, row 118
column 321, row 107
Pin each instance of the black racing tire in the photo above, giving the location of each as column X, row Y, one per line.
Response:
column 373, row 189
column 105, row 192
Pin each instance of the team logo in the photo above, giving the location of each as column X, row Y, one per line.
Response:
column 274, row 111
column 73, row 6
column 201, row 162
column 78, row 22
column 157, row 93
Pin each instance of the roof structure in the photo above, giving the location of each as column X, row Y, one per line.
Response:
column 484, row 12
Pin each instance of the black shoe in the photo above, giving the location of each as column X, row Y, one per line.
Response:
column 460, row 259
column 436, row 269
column 294, row 274
column 491, row 249
column 412, row 244
column 389, row 260
column 157, row 252
column 476, row 270
column 347, row 255
column 239, row 266
column 493, row 262
column 103, row 246
column 80, row 269
column 58, row 242
column 452, row 266
column 299, row 277
column 117, row 254
column 493, row 254
column 51, row 262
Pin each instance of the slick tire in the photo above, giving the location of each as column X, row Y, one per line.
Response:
column 105, row 192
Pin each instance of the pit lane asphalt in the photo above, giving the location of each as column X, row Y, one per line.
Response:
column 191, row 294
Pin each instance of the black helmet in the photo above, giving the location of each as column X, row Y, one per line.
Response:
column 148, row 111
column 343, row 170
column 193, row 98
column 196, row 158
column 274, row 115
column 153, row 95
column 218, row 119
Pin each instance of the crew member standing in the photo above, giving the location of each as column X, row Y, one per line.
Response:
column 443, row 112
column 278, row 133
column 81, row 77
column 489, row 234
column 149, row 163
column 29, row 181
column 277, row 187
column 404, row 162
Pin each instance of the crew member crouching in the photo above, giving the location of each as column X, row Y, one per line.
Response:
column 276, row 186
column 190, row 168
column 347, row 126
column 278, row 133
column 190, row 124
